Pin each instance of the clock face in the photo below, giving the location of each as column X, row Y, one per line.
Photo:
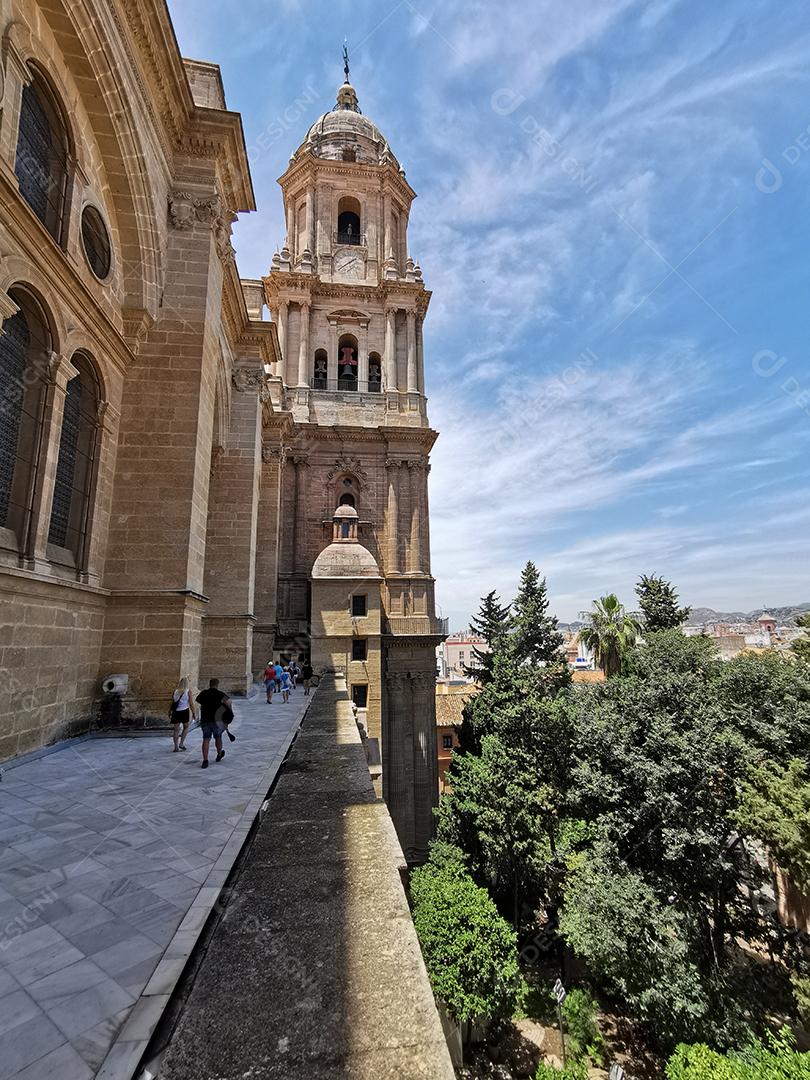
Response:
column 349, row 264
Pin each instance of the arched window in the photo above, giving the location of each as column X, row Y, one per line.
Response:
column 374, row 373
column 348, row 230
column 347, row 362
column 42, row 152
column 75, row 464
column 24, row 353
column 321, row 372
column 347, row 499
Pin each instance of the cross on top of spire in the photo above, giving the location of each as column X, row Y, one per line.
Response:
column 346, row 60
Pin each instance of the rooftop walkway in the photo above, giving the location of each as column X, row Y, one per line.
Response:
column 114, row 852
column 314, row 971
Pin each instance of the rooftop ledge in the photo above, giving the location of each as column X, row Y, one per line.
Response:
column 315, row 971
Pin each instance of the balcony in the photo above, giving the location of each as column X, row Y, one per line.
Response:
column 355, row 239
column 347, row 384
column 416, row 625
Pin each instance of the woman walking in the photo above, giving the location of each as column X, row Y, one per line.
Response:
column 286, row 685
column 181, row 711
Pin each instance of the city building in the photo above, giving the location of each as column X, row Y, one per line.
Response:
column 450, row 701
column 455, row 655
column 171, row 462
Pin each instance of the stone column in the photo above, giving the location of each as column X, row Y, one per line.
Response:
column 268, row 548
column 332, row 358
column 410, row 319
column 106, row 437
column 155, row 561
column 390, row 349
column 230, row 540
column 425, row 522
column 17, row 76
column 392, row 516
column 303, row 351
column 398, row 758
column 362, row 359
column 299, row 514
column 310, row 220
column 387, row 231
column 290, row 214
column 420, row 356
column 36, row 544
column 425, row 766
column 415, row 555
column 283, row 312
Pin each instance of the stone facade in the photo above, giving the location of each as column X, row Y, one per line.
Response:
column 170, row 461
column 152, row 576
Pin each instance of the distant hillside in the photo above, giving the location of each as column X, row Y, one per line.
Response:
column 783, row 615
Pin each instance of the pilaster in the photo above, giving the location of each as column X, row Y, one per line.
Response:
column 36, row 548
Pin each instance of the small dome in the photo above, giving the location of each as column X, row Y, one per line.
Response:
column 345, row 561
column 765, row 617
column 345, row 128
column 345, row 511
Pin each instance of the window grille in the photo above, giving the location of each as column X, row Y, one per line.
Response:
column 41, row 164
column 14, row 342
column 66, row 464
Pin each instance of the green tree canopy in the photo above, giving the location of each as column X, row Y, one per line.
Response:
column 659, row 604
column 492, row 623
column 774, row 807
column 801, row 646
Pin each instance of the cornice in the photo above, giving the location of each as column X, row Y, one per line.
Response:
column 309, row 166
column 279, row 282
column 217, row 134
column 151, row 30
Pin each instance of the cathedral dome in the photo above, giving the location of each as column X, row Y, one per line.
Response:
column 345, row 556
column 345, row 560
column 344, row 134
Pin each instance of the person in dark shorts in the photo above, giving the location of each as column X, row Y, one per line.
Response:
column 181, row 710
column 306, row 675
column 213, row 703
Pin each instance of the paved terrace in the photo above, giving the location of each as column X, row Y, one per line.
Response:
column 114, row 851
column 314, row 971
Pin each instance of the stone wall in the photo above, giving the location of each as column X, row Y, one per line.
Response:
column 316, row 955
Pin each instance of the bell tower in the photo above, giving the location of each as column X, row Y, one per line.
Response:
column 351, row 429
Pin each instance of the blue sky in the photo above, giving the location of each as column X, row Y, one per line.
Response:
column 612, row 216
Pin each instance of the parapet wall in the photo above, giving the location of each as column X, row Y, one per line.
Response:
column 315, row 971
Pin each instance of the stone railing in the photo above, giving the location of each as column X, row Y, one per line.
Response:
column 416, row 625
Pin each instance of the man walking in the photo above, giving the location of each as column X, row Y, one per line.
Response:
column 306, row 675
column 213, row 702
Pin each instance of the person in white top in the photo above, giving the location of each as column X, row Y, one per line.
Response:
column 181, row 711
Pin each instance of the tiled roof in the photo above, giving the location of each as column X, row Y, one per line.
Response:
column 449, row 707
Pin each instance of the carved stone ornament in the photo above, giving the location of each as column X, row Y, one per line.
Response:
column 348, row 465
column 185, row 209
column 246, row 379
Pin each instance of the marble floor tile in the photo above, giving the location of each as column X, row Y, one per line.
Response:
column 106, row 846
column 64, row 1063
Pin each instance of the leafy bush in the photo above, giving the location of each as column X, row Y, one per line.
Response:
column 584, row 1039
column 470, row 951
column 576, row 1070
column 776, row 1060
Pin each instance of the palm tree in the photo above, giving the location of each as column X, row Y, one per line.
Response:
column 611, row 634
